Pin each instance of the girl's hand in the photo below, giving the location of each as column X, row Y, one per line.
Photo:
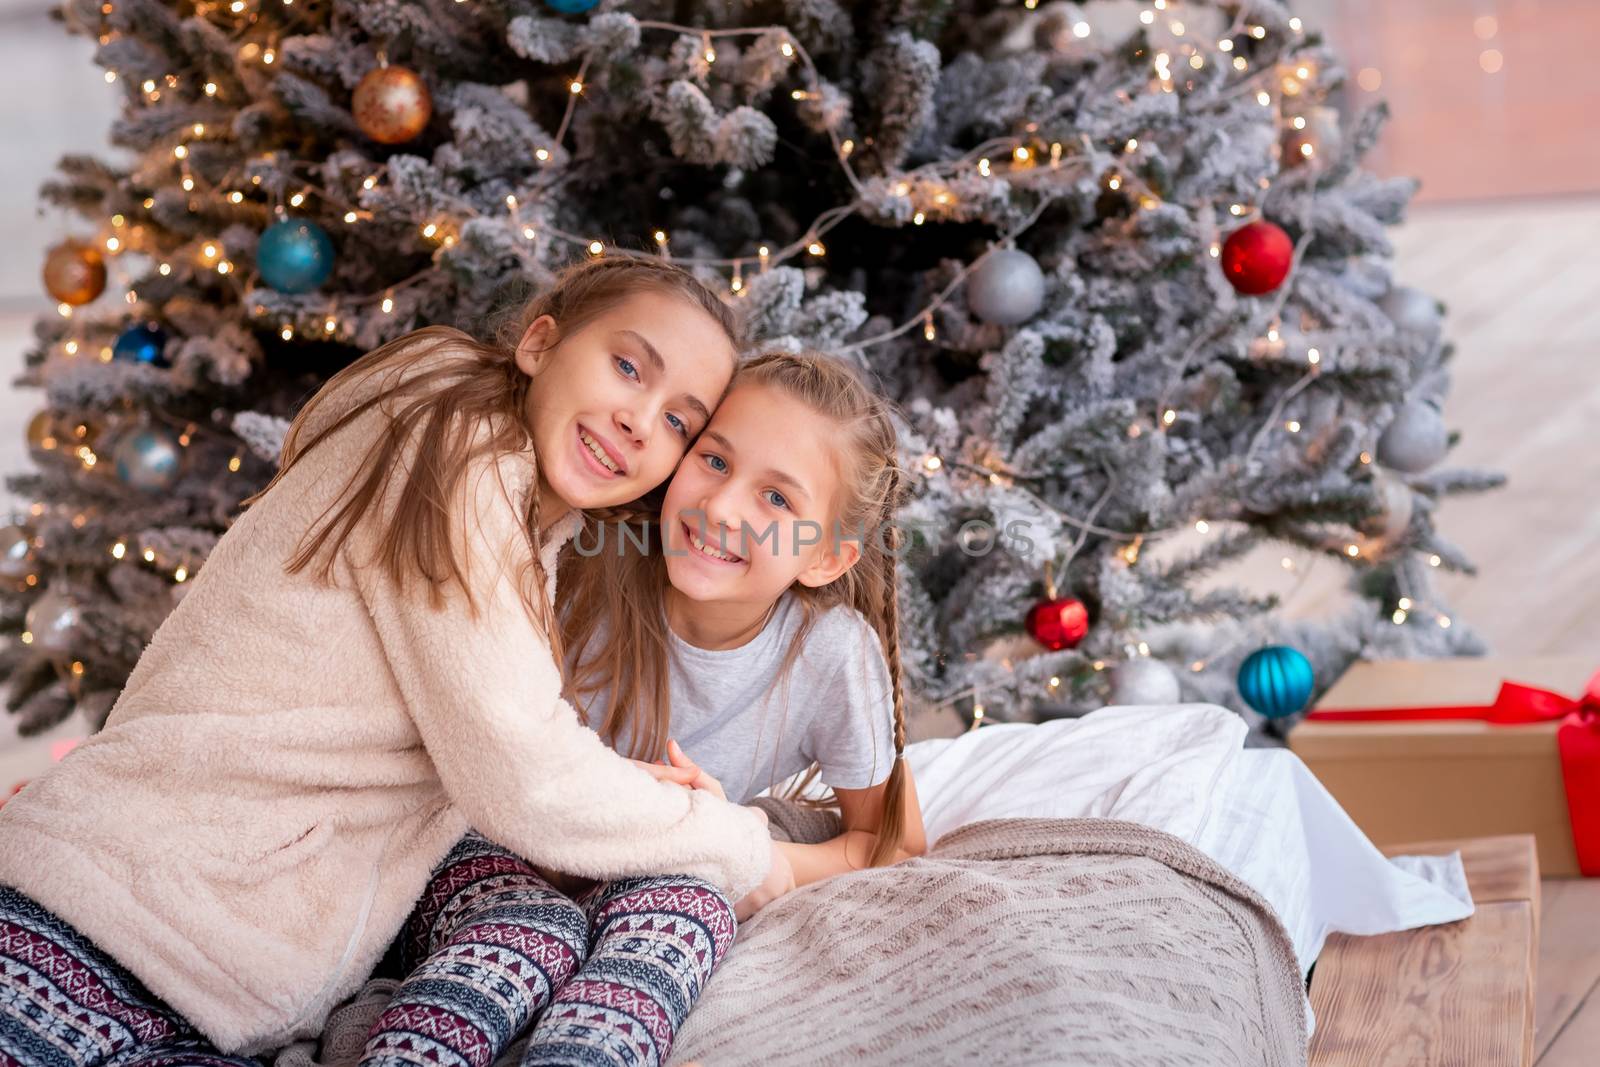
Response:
column 780, row 880
column 700, row 779
column 676, row 775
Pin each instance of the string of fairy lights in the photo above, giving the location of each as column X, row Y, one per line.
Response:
column 1020, row 162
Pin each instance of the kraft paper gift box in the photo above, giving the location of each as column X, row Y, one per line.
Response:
column 1423, row 749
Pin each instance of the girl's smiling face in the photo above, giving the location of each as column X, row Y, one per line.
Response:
column 615, row 404
column 751, row 508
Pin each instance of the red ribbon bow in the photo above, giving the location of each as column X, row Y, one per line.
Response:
column 1578, row 740
column 1517, row 703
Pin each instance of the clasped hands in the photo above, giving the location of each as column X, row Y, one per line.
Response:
column 680, row 769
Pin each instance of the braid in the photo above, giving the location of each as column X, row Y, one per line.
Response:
column 891, row 828
column 891, row 607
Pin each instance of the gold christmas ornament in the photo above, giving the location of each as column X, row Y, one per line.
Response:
column 74, row 272
column 42, row 437
column 392, row 105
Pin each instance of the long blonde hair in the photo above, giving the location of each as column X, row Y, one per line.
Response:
column 443, row 408
column 625, row 590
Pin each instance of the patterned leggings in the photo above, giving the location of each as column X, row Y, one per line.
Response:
column 65, row 1003
column 492, row 945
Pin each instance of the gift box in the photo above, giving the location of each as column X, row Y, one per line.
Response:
column 1416, row 750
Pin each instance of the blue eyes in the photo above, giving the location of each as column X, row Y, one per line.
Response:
column 720, row 465
column 630, row 370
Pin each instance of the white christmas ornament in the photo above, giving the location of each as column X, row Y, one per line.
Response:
column 1143, row 681
column 1415, row 439
column 1007, row 288
column 1394, row 496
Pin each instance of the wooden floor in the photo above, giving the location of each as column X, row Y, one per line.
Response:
column 1567, row 1007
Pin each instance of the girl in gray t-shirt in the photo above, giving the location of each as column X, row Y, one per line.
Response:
column 753, row 619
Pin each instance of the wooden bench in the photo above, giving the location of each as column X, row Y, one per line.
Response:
column 1460, row 993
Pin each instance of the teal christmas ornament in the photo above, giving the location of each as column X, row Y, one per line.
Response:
column 570, row 7
column 143, row 343
column 294, row 256
column 148, row 459
column 1276, row 680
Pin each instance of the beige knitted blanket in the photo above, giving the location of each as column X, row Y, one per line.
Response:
column 1015, row 941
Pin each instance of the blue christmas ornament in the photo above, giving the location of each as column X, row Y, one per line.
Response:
column 1276, row 681
column 294, row 256
column 570, row 7
column 142, row 344
column 148, row 459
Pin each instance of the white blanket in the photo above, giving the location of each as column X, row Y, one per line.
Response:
column 1183, row 769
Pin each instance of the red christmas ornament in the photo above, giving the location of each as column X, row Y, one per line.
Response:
column 1256, row 257
column 392, row 104
column 1057, row 623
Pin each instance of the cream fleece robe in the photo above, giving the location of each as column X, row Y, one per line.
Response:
column 288, row 763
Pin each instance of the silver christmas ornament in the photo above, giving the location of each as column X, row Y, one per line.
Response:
column 1143, row 681
column 148, row 459
column 16, row 552
column 1412, row 311
column 53, row 620
column 1415, row 439
column 1007, row 288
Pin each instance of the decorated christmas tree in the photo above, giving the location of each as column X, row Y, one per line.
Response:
column 1117, row 262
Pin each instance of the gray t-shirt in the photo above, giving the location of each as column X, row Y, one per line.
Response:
column 731, row 716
